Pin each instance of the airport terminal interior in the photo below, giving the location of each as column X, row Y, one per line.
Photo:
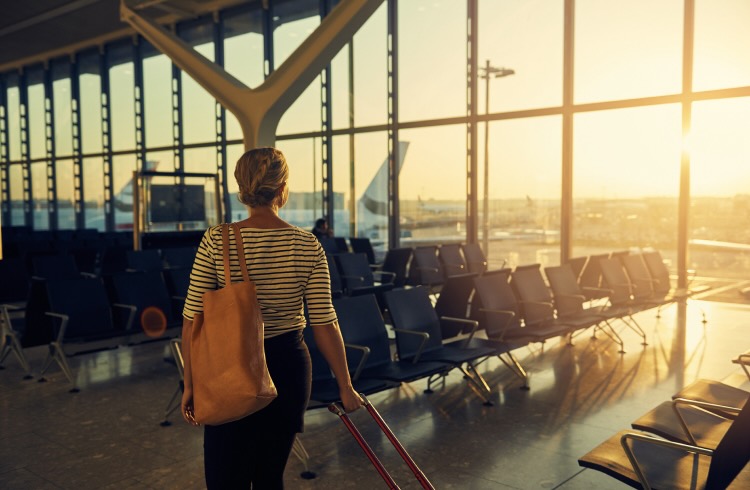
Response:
column 568, row 178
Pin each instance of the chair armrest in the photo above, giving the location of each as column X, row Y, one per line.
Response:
column 361, row 278
column 537, row 311
column 9, row 307
column 659, row 442
column 505, row 318
column 684, row 401
column 569, row 303
column 385, row 277
column 462, row 321
column 365, row 354
column 744, row 361
column 88, row 275
column 597, row 290
column 64, row 319
column 425, row 337
column 131, row 315
column 430, row 269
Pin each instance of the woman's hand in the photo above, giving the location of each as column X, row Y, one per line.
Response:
column 350, row 399
column 188, row 412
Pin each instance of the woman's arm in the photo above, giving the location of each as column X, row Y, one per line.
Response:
column 187, row 394
column 331, row 345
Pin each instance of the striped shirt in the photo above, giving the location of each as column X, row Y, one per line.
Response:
column 287, row 265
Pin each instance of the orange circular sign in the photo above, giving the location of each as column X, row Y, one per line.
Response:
column 153, row 321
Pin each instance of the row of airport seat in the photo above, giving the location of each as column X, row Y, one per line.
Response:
column 698, row 439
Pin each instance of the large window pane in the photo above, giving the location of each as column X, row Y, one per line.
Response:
column 91, row 104
column 343, row 202
column 720, row 178
column 536, row 25
column 66, row 218
column 721, row 40
column 14, row 120
column 39, row 202
column 16, row 195
column 198, row 106
column 62, row 106
column 627, row 49
column 201, row 160
column 243, row 46
column 303, row 158
column 122, row 91
column 432, row 184
column 626, row 179
column 340, row 89
column 304, row 115
column 431, row 59
column 523, row 225
column 293, row 23
column 371, row 70
column 37, row 128
column 122, row 178
column 93, row 192
column 371, row 187
column 157, row 98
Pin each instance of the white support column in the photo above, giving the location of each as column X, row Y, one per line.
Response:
column 259, row 110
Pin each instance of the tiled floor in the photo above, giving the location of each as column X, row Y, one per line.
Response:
column 108, row 435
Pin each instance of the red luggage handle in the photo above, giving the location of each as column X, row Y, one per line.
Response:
column 333, row 407
column 391, row 437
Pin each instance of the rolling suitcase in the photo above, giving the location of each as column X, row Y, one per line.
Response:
column 391, row 437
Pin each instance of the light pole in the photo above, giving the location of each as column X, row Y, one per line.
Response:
column 486, row 72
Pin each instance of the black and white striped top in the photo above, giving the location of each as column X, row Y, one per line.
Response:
column 287, row 265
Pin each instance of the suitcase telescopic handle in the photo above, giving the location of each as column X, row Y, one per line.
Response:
column 335, row 408
column 397, row 444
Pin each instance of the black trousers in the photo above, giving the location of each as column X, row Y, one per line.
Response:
column 252, row 452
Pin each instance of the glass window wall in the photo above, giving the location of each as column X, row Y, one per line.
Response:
column 157, row 99
column 40, row 203
column 431, row 59
column 62, row 108
column 626, row 179
column 66, row 218
column 91, row 103
column 432, row 185
column 526, row 37
column 523, row 196
column 93, row 193
column 37, row 127
column 625, row 50
column 371, row 70
column 721, row 37
column 720, row 179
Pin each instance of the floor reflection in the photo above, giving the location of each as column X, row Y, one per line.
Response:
column 108, row 435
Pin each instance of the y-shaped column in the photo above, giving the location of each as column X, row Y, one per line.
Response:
column 259, row 110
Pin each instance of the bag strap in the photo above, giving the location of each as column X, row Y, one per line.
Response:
column 241, row 251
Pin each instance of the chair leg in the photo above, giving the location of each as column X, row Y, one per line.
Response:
column 614, row 336
column 9, row 343
column 516, row 368
column 432, row 379
column 635, row 326
column 57, row 354
column 301, row 453
column 482, row 389
column 174, row 403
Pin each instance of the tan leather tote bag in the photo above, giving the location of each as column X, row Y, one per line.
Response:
column 227, row 359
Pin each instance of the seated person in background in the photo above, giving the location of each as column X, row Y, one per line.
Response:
column 321, row 228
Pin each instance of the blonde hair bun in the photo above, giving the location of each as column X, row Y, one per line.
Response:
column 260, row 173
